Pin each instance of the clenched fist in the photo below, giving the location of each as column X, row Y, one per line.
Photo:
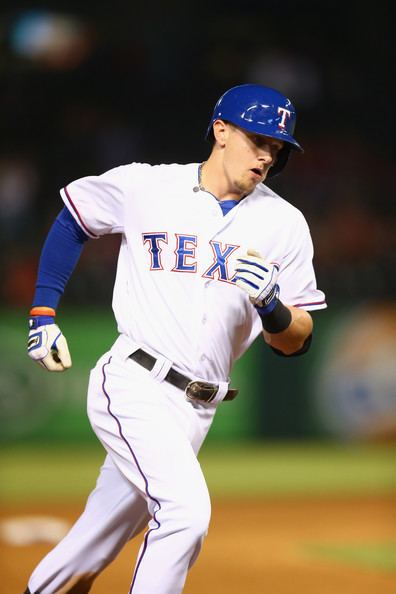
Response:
column 258, row 278
column 47, row 346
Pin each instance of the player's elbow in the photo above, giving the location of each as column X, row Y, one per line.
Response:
column 296, row 352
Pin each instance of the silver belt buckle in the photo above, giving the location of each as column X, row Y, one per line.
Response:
column 201, row 391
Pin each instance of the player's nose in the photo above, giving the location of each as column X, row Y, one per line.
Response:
column 265, row 155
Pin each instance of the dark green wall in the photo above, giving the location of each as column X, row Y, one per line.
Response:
column 274, row 399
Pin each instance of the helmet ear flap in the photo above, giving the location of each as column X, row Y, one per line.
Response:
column 280, row 162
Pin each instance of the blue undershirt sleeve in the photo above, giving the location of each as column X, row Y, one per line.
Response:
column 59, row 256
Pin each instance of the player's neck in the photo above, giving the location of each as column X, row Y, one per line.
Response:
column 214, row 180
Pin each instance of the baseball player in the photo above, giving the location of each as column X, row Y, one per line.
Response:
column 210, row 258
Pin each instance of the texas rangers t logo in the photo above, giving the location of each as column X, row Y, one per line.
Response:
column 286, row 113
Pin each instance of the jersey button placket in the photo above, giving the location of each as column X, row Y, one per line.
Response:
column 201, row 357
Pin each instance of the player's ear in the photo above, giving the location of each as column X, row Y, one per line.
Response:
column 220, row 132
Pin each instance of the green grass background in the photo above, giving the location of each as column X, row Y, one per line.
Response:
column 376, row 555
column 60, row 473
column 55, row 472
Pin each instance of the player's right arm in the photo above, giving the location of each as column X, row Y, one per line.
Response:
column 286, row 329
column 59, row 256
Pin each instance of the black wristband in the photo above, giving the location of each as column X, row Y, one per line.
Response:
column 278, row 320
column 304, row 349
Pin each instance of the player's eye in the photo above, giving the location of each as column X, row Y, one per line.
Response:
column 276, row 148
column 257, row 139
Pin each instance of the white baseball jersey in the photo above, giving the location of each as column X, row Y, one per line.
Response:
column 175, row 297
column 174, row 292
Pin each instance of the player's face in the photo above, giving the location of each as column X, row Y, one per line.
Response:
column 247, row 157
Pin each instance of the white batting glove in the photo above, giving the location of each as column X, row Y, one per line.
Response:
column 48, row 347
column 258, row 279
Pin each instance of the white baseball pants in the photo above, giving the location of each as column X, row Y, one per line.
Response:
column 152, row 435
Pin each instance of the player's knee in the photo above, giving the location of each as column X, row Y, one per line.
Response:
column 194, row 519
column 199, row 522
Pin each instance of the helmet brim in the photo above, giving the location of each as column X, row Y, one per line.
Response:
column 289, row 140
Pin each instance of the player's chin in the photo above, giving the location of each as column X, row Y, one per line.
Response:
column 249, row 182
column 243, row 187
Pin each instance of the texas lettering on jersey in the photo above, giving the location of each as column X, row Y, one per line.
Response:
column 185, row 254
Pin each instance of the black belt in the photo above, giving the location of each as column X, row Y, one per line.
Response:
column 195, row 390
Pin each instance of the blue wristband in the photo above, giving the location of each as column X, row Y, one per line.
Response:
column 37, row 321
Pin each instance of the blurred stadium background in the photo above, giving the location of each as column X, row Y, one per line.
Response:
column 85, row 88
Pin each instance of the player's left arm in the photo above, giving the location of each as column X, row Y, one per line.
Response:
column 286, row 329
column 295, row 339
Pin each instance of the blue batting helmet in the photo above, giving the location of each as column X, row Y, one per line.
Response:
column 261, row 110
